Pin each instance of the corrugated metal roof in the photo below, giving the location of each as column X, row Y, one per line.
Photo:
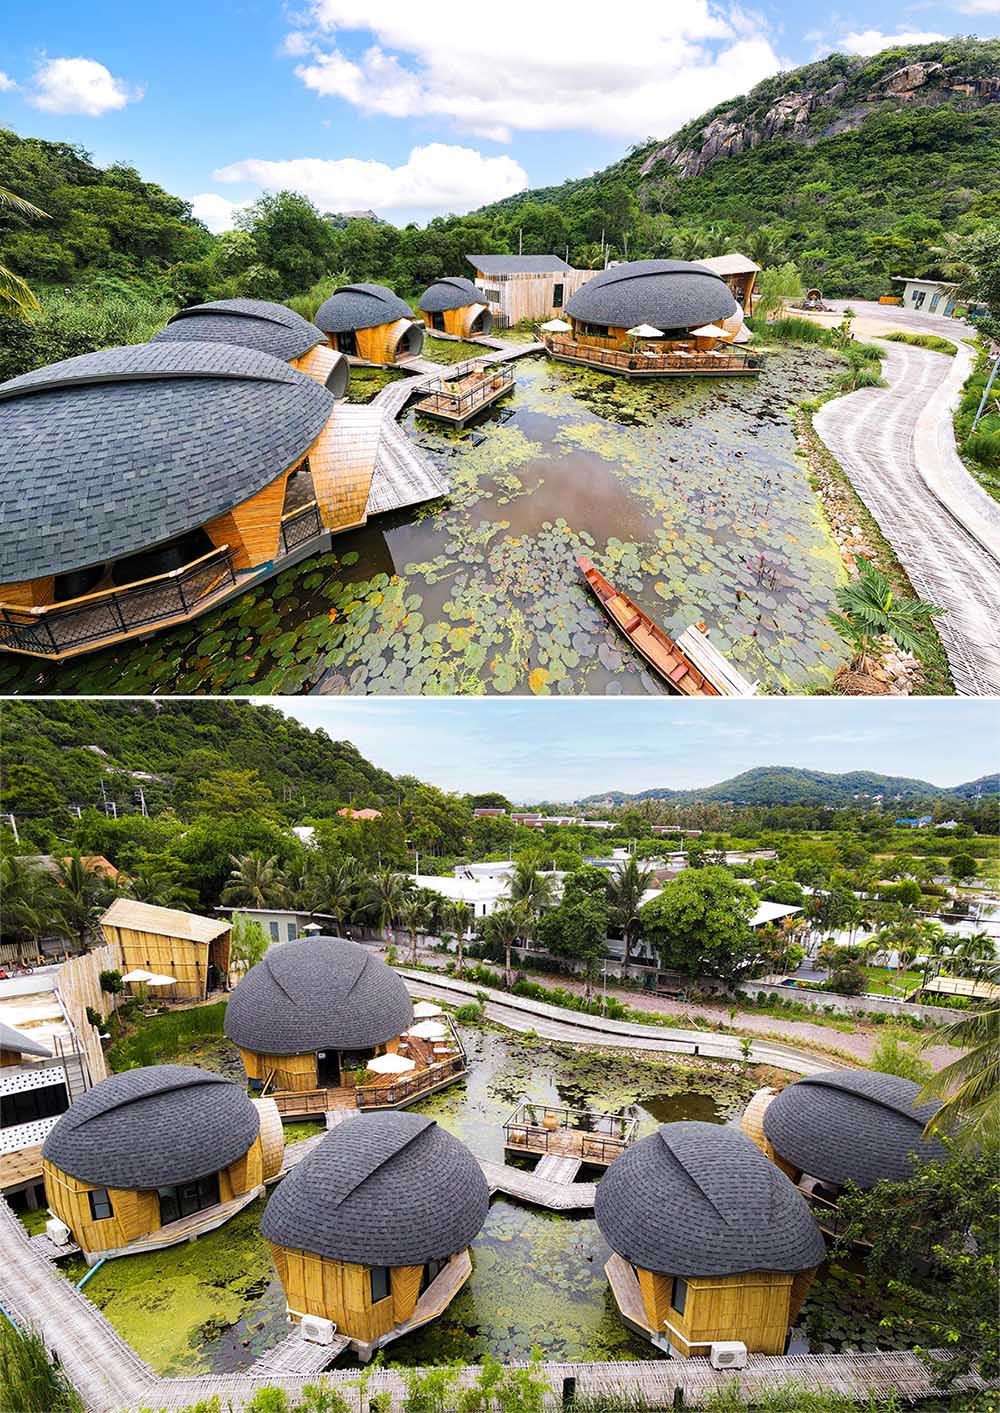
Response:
column 518, row 264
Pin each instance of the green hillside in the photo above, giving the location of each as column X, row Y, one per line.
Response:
column 786, row 785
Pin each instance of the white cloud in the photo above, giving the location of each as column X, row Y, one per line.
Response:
column 870, row 41
column 6, row 82
column 216, row 211
column 979, row 7
column 80, row 86
column 435, row 178
column 539, row 67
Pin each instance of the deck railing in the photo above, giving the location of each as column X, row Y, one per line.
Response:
column 602, row 1137
column 639, row 361
column 57, row 628
column 443, row 395
column 409, row 1086
column 300, row 525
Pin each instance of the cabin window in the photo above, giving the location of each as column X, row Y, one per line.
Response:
column 100, row 1204
column 347, row 342
column 596, row 331
column 437, row 320
column 935, row 299
column 275, row 934
column 33, row 1104
column 293, row 931
column 678, row 1294
column 557, row 296
column 493, row 295
column 431, row 1272
column 919, row 296
column 380, row 1283
column 187, row 1198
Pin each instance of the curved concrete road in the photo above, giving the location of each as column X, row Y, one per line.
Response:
column 897, row 447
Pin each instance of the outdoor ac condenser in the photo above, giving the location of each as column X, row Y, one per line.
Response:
column 316, row 1330
column 728, row 1354
column 57, row 1232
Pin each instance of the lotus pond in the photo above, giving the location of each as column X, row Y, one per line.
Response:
column 538, row 1278
column 687, row 493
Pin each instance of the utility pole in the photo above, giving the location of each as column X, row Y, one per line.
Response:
column 986, row 390
column 140, row 800
column 13, row 825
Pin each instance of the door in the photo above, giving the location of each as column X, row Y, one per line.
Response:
column 437, row 321
column 186, row 1198
column 328, row 1069
column 557, row 296
column 347, row 342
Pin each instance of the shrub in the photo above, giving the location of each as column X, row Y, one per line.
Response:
column 111, row 982
column 931, row 341
column 470, row 1013
column 892, row 1056
column 165, row 1035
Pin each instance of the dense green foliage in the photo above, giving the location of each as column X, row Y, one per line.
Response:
column 700, row 923
column 779, row 784
column 980, row 449
column 29, row 1383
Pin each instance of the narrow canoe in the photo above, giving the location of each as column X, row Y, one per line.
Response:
column 661, row 652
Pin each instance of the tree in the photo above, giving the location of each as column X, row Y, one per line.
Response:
column 232, row 792
column 627, row 885
column 248, row 942
column 342, row 886
column 700, row 923
column 963, row 866
column 414, row 914
column 255, row 882
column 292, row 239
column 83, row 893
column 387, row 891
column 978, row 255
column 502, row 928
column 892, row 1055
column 457, row 918
column 578, row 928
column 532, row 892
column 970, row 1085
column 16, row 295
column 159, row 881
column 30, row 902
column 871, row 610
column 776, row 285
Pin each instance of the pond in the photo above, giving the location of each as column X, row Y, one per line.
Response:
column 687, row 493
column 538, row 1278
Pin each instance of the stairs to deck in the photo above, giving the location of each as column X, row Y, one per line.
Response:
column 555, row 1169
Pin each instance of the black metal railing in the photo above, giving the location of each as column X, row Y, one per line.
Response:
column 444, row 396
column 300, row 525
column 407, row 1087
column 54, row 629
column 580, row 1133
column 648, row 361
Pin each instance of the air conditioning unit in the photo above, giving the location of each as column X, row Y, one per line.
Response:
column 728, row 1354
column 57, row 1232
column 317, row 1331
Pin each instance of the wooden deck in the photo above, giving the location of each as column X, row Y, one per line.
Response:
column 470, row 390
column 628, row 1297
column 561, row 1170
column 297, row 1356
column 581, row 1146
column 20, row 1168
column 434, row 1301
column 186, row 1229
column 679, row 363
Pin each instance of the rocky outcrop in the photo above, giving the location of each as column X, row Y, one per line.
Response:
column 790, row 116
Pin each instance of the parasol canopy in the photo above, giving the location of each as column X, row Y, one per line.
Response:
column 139, row 976
column 428, row 1030
column 708, row 331
column 424, row 1009
column 557, row 326
column 645, row 331
column 390, row 1063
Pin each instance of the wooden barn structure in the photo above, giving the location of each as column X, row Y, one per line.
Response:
column 370, row 323
column 740, row 274
column 371, row 1231
column 147, row 484
column 167, row 942
column 655, row 319
column 454, row 305
column 840, row 1126
column 712, row 1243
column 154, row 1156
column 267, row 327
column 518, row 287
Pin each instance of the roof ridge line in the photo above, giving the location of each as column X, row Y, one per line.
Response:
column 80, row 1119
column 693, row 1180
column 389, row 1157
column 829, row 1082
column 158, row 375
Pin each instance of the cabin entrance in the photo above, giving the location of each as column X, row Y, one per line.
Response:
column 347, row 342
column 482, row 323
column 437, row 321
column 410, row 343
column 328, row 1069
column 187, row 1198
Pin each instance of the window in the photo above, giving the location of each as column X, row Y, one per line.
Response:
column 293, row 931
column 431, row 1272
column 437, row 320
column 492, row 295
column 596, row 331
column 919, row 296
column 100, row 1204
column 935, row 300
column 678, row 1294
column 380, row 1283
column 275, row 936
column 33, row 1104
column 557, row 296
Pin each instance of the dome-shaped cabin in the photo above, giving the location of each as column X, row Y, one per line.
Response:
column 711, row 1241
column 162, row 465
column 268, row 328
column 312, row 1012
column 454, row 305
column 841, row 1126
column 369, row 321
column 372, row 1229
column 154, row 1156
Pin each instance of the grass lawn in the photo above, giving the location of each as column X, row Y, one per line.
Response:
column 886, row 982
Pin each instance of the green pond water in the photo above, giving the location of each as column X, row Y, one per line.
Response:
column 687, row 493
column 538, row 1278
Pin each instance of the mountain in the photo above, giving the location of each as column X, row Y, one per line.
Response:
column 853, row 166
column 788, row 785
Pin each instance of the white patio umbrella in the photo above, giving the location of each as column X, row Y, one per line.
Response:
column 645, row 331
column 139, row 975
column 709, row 331
column 156, row 979
column 390, row 1063
column 557, row 326
column 423, row 1009
column 428, row 1030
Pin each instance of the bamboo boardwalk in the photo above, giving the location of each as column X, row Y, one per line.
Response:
column 897, row 448
column 298, row 1356
column 553, row 1168
column 556, row 1195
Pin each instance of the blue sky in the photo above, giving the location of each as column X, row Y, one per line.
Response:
column 562, row 749
column 410, row 109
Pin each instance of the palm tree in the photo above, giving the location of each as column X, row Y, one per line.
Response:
column 457, row 916
column 343, row 884
column 625, row 889
column 30, row 902
column 536, row 891
column 503, row 928
column 154, row 883
column 387, row 891
column 414, row 914
column 16, row 295
column 970, row 1085
column 83, row 894
column 255, row 882
column 870, row 610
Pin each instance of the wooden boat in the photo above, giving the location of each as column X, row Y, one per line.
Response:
column 661, row 652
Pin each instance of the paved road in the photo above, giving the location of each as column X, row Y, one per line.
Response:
column 896, row 446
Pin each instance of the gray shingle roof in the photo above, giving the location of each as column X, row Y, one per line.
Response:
column 697, row 1199
column 153, row 1127
column 11, row 1039
column 669, row 294
column 319, row 993
column 361, row 306
column 387, row 1189
column 117, row 451
column 851, row 1124
column 251, row 323
column 518, row 264
column 454, row 292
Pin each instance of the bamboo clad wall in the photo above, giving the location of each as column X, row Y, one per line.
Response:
column 379, row 344
column 78, row 985
column 179, row 957
column 752, row 1124
column 272, row 1138
column 252, row 530
column 318, row 363
column 342, row 463
column 460, row 321
column 29, row 593
column 341, row 1291
column 288, row 1072
column 756, row 1307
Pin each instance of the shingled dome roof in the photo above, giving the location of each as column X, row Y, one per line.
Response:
column 117, row 451
column 361, row 307
column 669, row 294
column 319, row 993
column 389, row 1189
column 851, row 1124
column 17, row 1044
column 251, row 323
column 696, row 1199
column 455, row 292
column 152, row 1128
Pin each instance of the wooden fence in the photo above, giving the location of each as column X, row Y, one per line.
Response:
column 78, row 986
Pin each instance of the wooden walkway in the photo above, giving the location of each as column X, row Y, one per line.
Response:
column 557, row 1195
column 896, row 446
column 296, row 1355
column 552, row 1168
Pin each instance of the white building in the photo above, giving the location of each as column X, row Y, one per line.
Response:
column 282, row 924
column 927, row 296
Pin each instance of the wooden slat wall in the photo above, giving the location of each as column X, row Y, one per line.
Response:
column 341, row 1291
column 405, row 1284
column 252, row 529
column 29, row 593
column 752, row 1124
column 530, row 296
column 78, row 986
column 459, row 321
column 272, row 1138
column 317, row 363
column 246, row 1173
column 753, row 1306
column 295, row 1072
column 342, row 463
column 379, row 345
column 171, row 956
